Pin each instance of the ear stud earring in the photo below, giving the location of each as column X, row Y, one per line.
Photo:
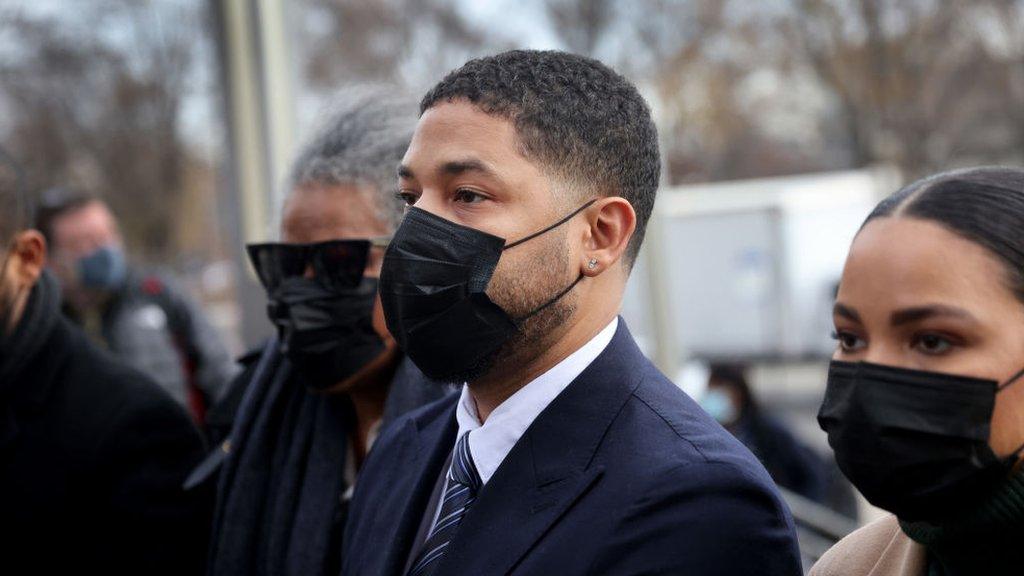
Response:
column 592, row 264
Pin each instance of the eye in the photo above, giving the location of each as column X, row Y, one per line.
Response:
column 933, row 344
column 408, row 197
column 848, row 341
column 468, row 196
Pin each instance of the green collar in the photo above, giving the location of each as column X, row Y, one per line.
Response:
column 989, row 536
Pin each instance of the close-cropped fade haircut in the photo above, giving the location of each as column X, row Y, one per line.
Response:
column 578, row 119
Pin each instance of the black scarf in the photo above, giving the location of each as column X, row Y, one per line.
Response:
column 42, row 310
column 40, row 315
column 279, row 495
column 279, row 508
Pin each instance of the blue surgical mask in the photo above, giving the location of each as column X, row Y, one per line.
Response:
column 719, row 406
column 103, row 269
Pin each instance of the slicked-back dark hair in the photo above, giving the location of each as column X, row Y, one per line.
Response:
column 983, row 205
column 577, row 118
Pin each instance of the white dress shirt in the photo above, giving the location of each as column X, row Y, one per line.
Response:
column 491, row 441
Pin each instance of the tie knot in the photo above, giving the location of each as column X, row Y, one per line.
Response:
column 463, row 469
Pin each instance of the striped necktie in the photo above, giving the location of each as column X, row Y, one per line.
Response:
column 462, row 488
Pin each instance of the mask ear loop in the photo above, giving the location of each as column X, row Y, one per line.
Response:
column 519, row 321
column 1013, row 380
column 552, row 227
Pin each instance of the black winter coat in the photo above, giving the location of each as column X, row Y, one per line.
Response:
column 92, row 459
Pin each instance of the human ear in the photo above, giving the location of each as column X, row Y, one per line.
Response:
column 611, row 223
column 28, row 258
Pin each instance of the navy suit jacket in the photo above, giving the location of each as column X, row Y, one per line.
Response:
column 621, row 474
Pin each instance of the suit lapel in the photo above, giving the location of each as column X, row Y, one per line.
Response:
column 425, row 448
column 548, row 470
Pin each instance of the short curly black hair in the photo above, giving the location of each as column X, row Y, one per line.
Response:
column 576, row 117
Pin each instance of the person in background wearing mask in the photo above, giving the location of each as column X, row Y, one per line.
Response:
column 792, row 465
column 924, row 406
column 567, row 452
column 92, row 452
column 315, row 397
column 141, row 317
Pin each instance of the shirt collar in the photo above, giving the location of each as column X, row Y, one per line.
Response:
column 492, row 441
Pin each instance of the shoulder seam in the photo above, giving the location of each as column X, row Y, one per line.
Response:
column 667, row 423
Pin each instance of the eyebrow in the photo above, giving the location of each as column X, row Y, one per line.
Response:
column 846, row 312
column 909, row 315
column 456, row 167
column 915, row 314
column 452, row 168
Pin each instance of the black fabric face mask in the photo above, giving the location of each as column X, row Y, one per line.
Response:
column 327, row 334
column 914, row 443
column 432, row 287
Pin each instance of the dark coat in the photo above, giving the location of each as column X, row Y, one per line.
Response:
column 621, row 474
column 280, row 473
column 791, row 464
column 91, row 466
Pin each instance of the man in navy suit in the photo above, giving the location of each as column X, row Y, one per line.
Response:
column 567, row 452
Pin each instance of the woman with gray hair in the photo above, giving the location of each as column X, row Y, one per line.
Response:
column 316, row 394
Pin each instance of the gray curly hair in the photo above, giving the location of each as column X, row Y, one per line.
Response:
column 366, row 134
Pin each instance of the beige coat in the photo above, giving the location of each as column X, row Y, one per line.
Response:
column 878, row 549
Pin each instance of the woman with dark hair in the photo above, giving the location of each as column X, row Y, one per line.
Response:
column 924, row 406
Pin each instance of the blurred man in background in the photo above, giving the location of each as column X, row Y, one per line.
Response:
column 92, row 452
column 314, row 398
column 792, row 465
column 141, row 317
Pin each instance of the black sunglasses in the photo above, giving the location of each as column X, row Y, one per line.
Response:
column 335, row 263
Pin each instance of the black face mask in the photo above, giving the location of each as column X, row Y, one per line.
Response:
column 432, row 288
column 914, row 443
column 327, row 334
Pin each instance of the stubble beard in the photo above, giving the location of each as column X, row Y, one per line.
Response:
column 522, row 290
